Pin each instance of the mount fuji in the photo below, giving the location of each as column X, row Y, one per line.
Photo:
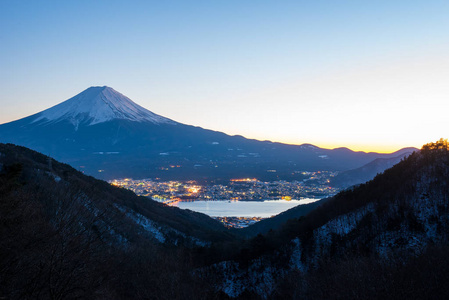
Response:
column 97, row 105
column 107, row 135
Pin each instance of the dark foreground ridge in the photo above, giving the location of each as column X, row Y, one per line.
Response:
column 68, row 235
column 385, row 239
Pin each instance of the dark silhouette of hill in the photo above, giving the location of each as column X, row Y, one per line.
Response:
column 66, row 235
column 385, row 239
column 273, row 223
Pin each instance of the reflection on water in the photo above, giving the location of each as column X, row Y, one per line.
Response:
column 264, row 209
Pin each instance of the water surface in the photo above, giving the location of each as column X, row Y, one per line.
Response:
column 263, row 209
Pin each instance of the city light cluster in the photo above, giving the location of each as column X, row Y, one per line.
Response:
column 316, row 185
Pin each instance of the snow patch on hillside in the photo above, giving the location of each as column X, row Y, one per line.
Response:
column 260, row 277
column 341, row 226
column 148, row 226
column 295, row 258
column 55, row 177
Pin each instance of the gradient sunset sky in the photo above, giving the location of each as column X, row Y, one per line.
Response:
column 368, row 75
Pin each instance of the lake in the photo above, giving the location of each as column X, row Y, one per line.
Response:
column 247, row 209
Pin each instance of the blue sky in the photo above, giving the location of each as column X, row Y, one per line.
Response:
column 369, row 75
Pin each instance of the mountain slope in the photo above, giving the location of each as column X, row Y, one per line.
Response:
column 105, row 134
column 276, row 222
column 66, row 235
column 390, row 236
column 343, row 180
column 39, row 169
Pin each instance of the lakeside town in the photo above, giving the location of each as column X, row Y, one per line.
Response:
column 316, row 185
column 238, row 222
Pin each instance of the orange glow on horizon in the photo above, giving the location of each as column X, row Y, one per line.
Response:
column 369, row 148
column 385, row 149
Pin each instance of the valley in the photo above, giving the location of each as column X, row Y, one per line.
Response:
column 397, row 219
column 219, row 201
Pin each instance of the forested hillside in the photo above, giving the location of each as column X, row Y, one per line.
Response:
column 386, row 239
column 67, row 235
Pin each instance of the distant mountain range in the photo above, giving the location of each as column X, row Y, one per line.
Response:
column 366, row 172
column 103, row 133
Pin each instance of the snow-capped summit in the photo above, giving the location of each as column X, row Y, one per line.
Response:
column 97, row 105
